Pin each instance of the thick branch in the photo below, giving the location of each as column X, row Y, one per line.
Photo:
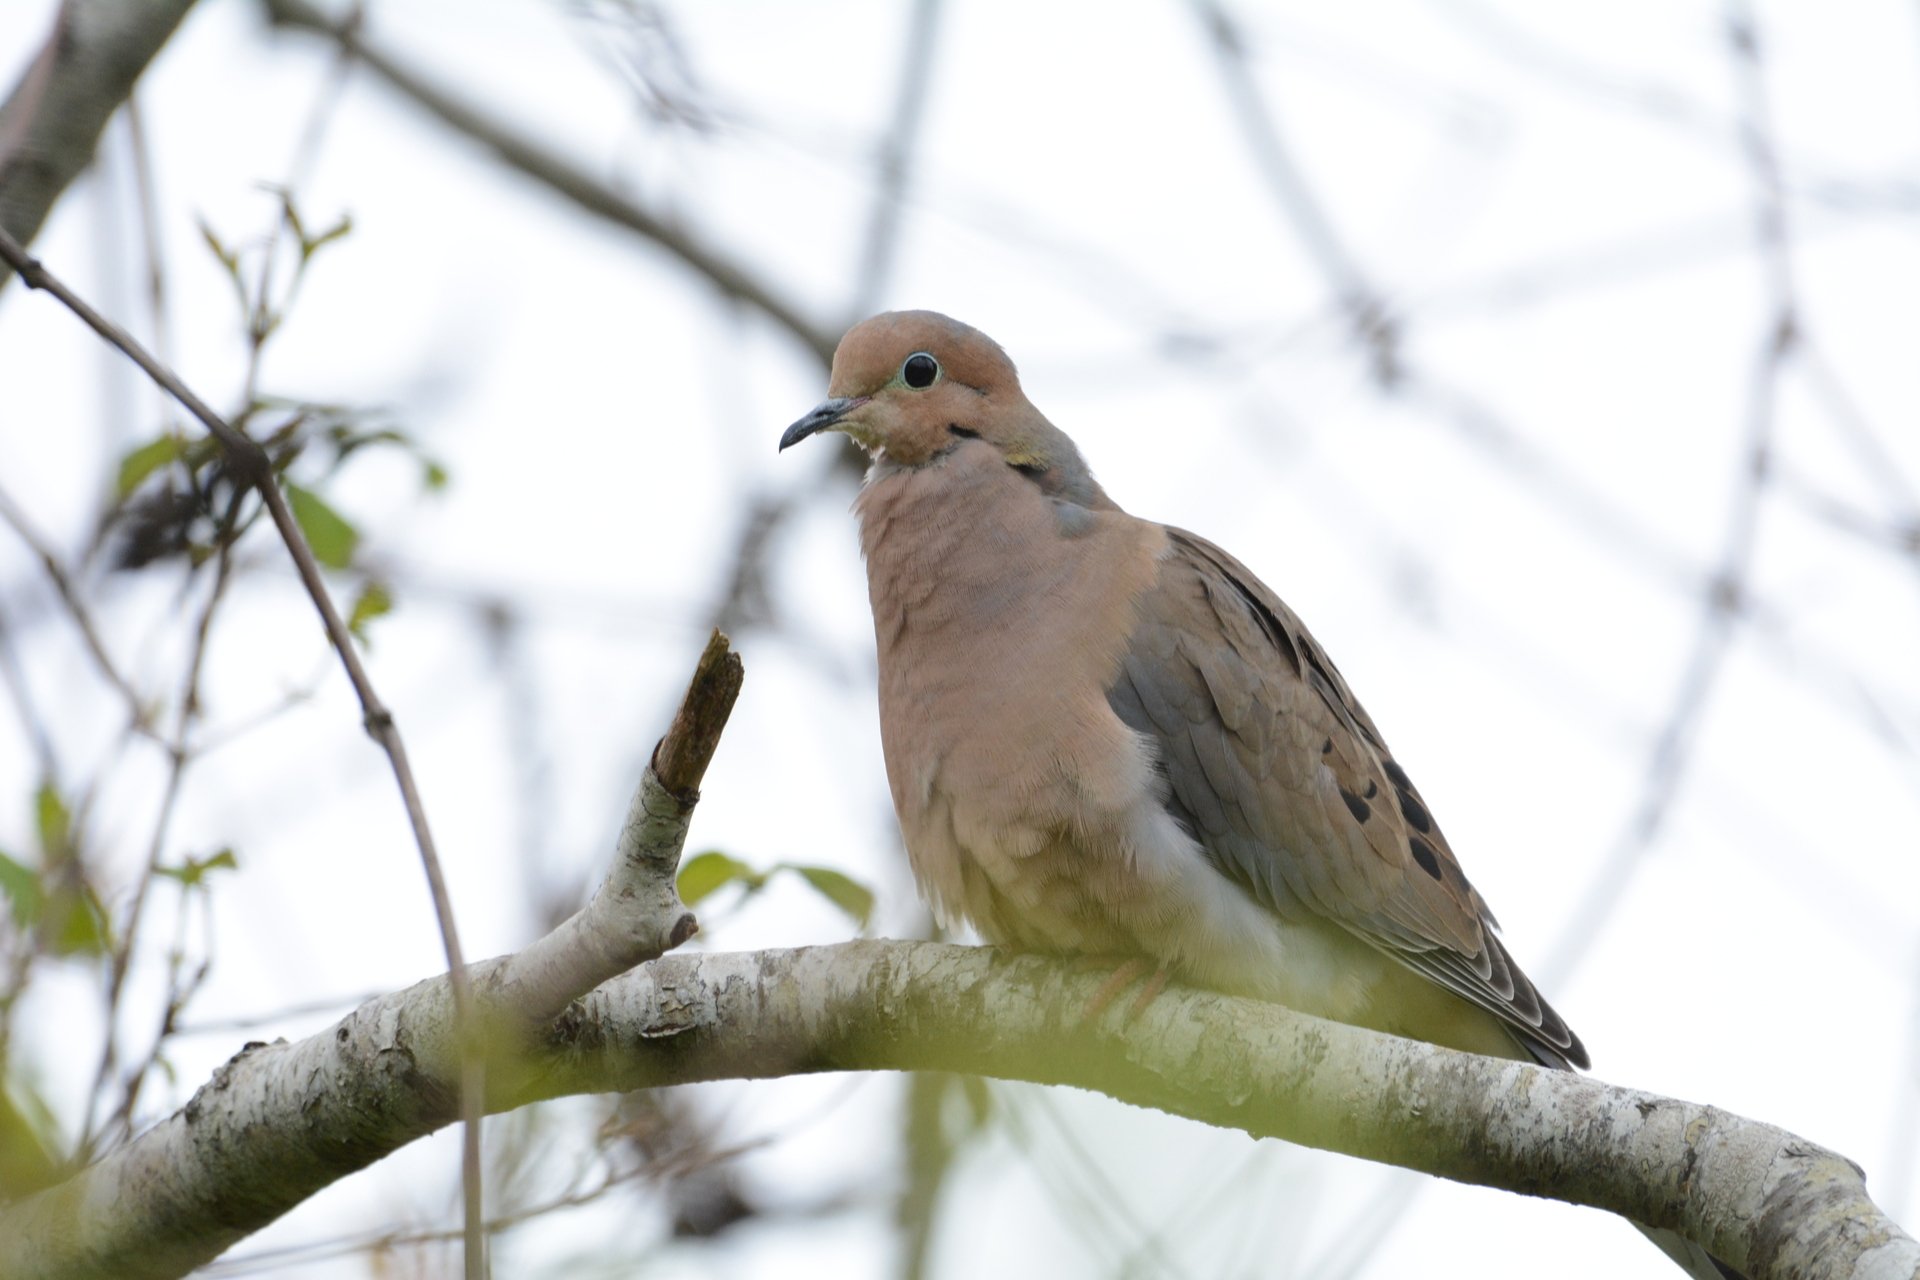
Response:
column 251, row 1144
column 50, row 124
column 534, row 160
column 636, row 915
column 281, row 1121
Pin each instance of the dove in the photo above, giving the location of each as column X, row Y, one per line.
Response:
column 1107, row 737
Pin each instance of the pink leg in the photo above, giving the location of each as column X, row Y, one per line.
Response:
column 1129, row 969
column 1156, row 983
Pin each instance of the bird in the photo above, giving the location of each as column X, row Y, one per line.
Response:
column 1107, row 737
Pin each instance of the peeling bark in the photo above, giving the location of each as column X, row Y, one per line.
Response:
column 280, row 1121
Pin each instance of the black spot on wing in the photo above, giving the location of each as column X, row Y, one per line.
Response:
column 1414, row 812
column 1397, row 776
column 1424, row 855
column 1356, row 806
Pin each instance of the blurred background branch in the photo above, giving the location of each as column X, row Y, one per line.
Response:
column 1552, row 364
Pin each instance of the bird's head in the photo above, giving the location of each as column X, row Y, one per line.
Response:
column 910, row 386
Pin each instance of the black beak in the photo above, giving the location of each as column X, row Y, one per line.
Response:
column 822, row 416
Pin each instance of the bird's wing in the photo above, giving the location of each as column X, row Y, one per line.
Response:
column 1277, row 772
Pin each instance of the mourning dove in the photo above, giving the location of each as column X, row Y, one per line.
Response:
column 1106, row 736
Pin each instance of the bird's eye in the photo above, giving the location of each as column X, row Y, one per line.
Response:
column 919, row 370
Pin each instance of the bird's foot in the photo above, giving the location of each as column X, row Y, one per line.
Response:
column 1128, row 971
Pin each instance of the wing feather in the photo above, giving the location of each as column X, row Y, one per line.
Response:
column 1279, row 774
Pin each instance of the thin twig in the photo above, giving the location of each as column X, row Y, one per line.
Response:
column 251, row 466
column 895, row 165
column 254, row 1021
column 180, row 758
column 535, row 161
column 1876, row 462
column 31, row 722
column 1724, row 604
column 137, row 713
column 1366, row 310
column 147, row 203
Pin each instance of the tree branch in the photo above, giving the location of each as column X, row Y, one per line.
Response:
column 50, row 124
column 635, row 915
column 533, row 160
column 280, row 1121
column 252, row 467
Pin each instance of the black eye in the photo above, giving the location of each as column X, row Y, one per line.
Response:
column 920, row 370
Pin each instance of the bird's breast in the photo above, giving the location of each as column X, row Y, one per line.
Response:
column 998, row 633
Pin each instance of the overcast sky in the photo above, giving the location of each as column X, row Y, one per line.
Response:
column 1507, row 549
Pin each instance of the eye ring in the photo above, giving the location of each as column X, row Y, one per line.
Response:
column 919, row 370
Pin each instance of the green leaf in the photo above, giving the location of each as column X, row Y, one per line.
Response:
column 840, row 889
column 433, row 476
column 338, row 231
column 142, row 462
column 194, row 870
column 76, row 924
column 333, row 540
column 21, row 885
column 705, row 872
column 50, row 812
column 374, row 601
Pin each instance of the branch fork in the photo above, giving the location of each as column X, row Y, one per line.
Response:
column 636, row 914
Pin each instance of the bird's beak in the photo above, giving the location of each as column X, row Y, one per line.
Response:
column 823, row 415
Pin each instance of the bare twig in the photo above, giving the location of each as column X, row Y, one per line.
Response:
column 138, row 714
column 522, row 153
column 179, row 759
column 31, row 722
column 147, row 203
column 1371, row 323
column 1876, row 462
column 254, row 1021
column 636, row 914
column 277, row 1259
column 683, row 754
column 895, row 165
column 1725, row 602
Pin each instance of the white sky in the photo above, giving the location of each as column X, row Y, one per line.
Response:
column 1552, row 197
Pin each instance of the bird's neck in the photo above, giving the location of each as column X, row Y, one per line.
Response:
column 956, row 543
column 961, row 551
